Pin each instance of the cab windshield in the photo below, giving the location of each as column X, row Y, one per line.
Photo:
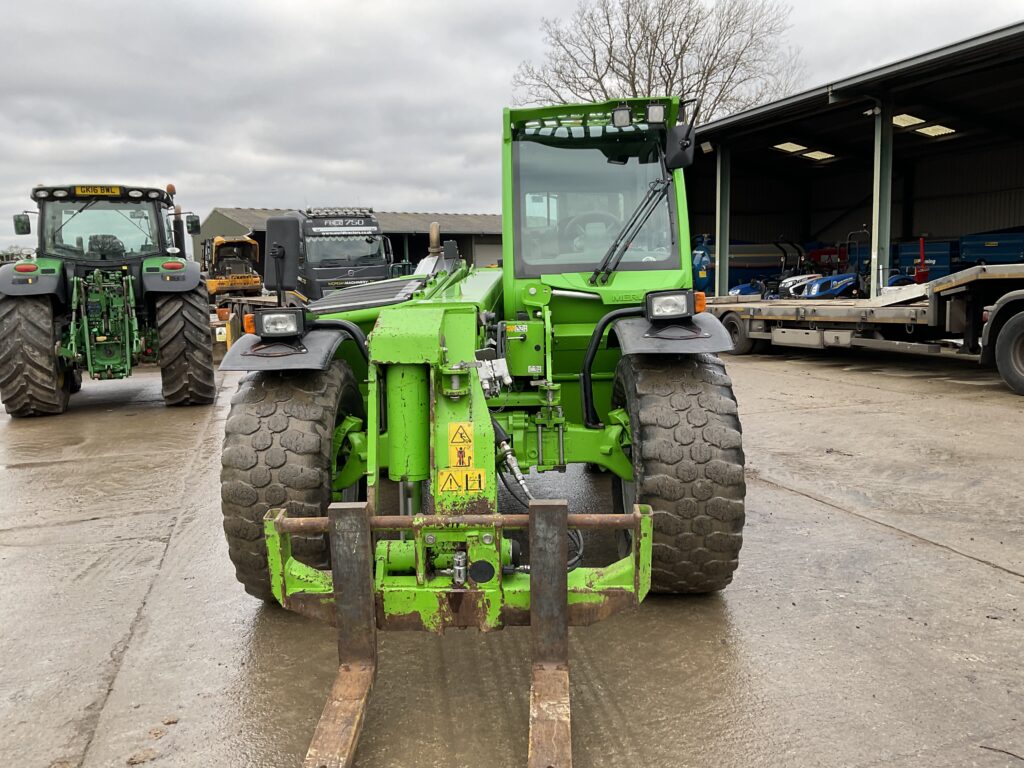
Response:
column 576, row 188
column 344, row 250
column 100, row 229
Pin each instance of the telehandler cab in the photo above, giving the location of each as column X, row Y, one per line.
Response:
column 587, row 347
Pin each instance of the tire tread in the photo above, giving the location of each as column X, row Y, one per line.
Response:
column 277, row 453
column 30, row 374
column 688, row 464
column 186, row 348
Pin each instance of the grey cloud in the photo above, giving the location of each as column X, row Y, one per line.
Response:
column 390, row 104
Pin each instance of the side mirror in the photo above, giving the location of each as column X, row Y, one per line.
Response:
column 192, row 225
column 283, row 233
column 22, row 224
column 679, row 147
column 389, row 255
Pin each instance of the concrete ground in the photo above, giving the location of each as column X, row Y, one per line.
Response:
column 877, row 617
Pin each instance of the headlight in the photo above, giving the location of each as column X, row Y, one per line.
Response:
column 669, row 305
column 279, row 322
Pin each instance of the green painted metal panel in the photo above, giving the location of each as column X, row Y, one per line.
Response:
column 413, row 578
column 408, row 405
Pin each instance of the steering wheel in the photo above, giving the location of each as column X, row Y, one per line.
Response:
column 573, row 231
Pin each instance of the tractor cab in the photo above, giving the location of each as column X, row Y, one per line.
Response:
column 80, row 223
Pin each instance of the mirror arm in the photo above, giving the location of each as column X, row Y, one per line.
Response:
column 277, row 254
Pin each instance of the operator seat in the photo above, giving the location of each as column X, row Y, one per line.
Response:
column 106, row 245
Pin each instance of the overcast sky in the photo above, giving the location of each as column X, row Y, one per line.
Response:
column 265, row 103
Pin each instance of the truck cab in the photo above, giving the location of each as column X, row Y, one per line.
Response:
column 333, row 248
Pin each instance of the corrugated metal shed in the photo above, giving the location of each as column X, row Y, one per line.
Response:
column 957, row 151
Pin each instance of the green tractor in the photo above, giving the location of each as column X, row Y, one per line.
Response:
column 108, row 288
column 365, row 449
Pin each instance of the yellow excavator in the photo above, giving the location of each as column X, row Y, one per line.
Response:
column 230, row 265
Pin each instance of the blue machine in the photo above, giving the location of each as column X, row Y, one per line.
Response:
column 703, row 267
column 753, row 288
column 833, row 286
column 941, row 257
column 1005, row 247
column 749, row 263
column 755, row 268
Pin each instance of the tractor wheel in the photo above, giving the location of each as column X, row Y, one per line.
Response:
column 277, row 453
column 186, row 349
column 687, row 465
column 1010, row 353
column 33, row 379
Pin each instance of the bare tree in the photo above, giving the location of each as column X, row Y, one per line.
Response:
column 728, row 53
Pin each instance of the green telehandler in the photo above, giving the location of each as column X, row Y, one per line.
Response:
column 108, row 288
column 365, row 448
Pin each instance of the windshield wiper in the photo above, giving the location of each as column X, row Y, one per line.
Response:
column 655, row 194
column 134, row 223
column 72, row 216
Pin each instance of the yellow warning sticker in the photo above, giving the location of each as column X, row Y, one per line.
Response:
column 460, row 444
column 470, row 480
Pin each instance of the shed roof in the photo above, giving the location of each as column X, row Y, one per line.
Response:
column 938, row 79
column 253, row 218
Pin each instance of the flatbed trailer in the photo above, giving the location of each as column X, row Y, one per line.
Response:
column 978, row 312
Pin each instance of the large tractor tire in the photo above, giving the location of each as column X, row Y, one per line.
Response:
column 687, row 465
column 186, row 348
column 33, row 379
column 277, row 453
column 1010, row 353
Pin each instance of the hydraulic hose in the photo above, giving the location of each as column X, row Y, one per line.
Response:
column 590, row 419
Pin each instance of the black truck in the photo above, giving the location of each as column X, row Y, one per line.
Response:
column 337, row 248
